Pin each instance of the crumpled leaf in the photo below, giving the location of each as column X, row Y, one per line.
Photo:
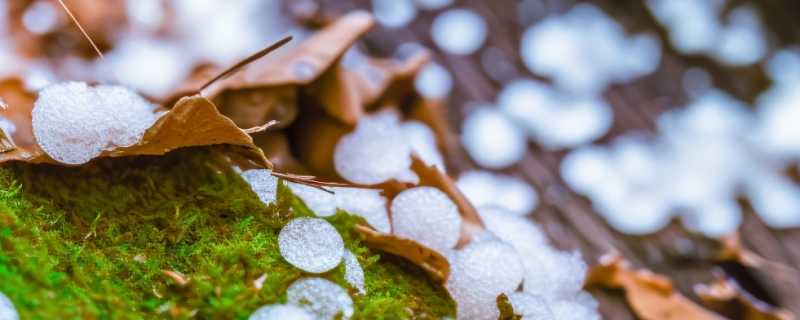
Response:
column 650, row 295
column 432, row 262
column 194, row 121
column 311, row 60
column 732, row 249
column 726, row 294
column 389, row 81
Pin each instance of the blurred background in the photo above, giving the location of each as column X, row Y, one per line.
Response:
column 653, row 128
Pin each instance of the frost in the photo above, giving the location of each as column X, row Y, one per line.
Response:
column 531, row 307
column 459, row 31
column 483, row 188
column 7, row 310
column 311, row 244
column 481, row 272
column 433, row 81
column 280, row 312
column 320, row 297
column 263, row 183
column 427, row 215
column 491, row 139
column 353, row 273
column 74, row 123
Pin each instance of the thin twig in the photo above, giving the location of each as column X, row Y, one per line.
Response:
column 245, row 62
column 80, row 27
column 260, row 128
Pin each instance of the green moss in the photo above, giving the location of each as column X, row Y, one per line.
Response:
column 93, row 243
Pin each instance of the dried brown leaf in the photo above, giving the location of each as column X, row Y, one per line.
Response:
column 650, row 295
column 428, row 259
column 726, row 295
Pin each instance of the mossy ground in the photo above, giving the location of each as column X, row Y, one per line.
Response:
column 93, row 242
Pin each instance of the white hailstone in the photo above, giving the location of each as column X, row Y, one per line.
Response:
column 40, row 17
column 554, row 118
column 149, row 65
column 263, row 183
column 784, row 66
column 321, row 297
column 423, row 143
column 428, row 216
column 459, row 31
column 693, row 25
column 481, row 272
column 322, row 203
column 433, row 4
column 38, row 76
column 7, row 309
column 531, row 307
column 394, row 13
column 311, row 244
column 280, row 312
column 775, row 198
column 491, row 139
column 584, row 50
column 553, row 274
column 353, row 273
column 145, row 14
column 777, row 108
column 484, row 188
column 433, row 81
column 716, row 219
column 742, row 41
column 578, row 308
column 374, row 152
column 366, row 203
column 74, row 123
column 520, row 232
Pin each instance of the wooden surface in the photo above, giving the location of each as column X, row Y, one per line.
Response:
column 568, row 218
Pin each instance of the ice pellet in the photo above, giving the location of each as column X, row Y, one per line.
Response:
column 481, row 272
column 518, row 231
column 311, row 244
column 433, row 81
column 491, row 139
column 374, row 152
column 263, row 183
column 422, row 141
column 427, row 215
column 322, row 203
column 531, row 307
column 280, row 312
column 7, row 309
column 394, row 13
column 320, row 297
column 553, row 274
column 366, row 203
column 459, row 31
column 74, row 123
column 483, row 188
column 577, row 308
column 353, row 273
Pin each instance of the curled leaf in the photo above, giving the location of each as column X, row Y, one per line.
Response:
column 650, row 295
column 428, row 259
column 726, row 294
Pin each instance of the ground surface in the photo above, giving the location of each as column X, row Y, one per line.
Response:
column 94, row 243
